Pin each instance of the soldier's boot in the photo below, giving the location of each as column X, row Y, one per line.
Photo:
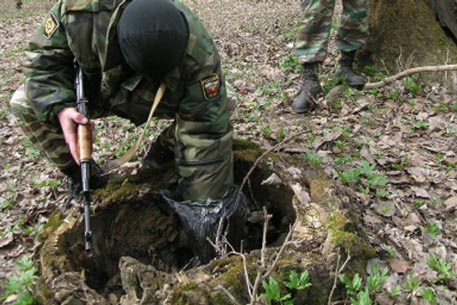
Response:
column 157, row 157
column 310, row 88
column 346, row 71
column 97, row 179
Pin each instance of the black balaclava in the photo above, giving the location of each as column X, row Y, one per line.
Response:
column 152, row 36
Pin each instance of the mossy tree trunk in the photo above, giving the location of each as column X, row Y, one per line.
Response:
column 406, row 34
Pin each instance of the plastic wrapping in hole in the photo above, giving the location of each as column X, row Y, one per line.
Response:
column 201, row 220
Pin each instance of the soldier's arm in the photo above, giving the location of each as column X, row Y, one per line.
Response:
column 49, row 83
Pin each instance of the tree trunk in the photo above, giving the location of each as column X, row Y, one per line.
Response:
column 406, row 34
column 446, row 12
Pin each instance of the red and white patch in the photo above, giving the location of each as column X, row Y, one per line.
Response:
column 211, row 86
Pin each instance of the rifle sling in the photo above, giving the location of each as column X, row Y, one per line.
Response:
column 129, row 154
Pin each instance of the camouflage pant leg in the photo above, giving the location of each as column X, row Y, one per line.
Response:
column 353, row 31
column 205, row 160
column 312, row 39
column 47, row 138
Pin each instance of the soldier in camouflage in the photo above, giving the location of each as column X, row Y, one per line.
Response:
column 126, row 49
column 312, row 40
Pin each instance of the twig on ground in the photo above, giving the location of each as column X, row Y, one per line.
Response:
column 338, row 271
column 228, row 294
column 405, row 73
column 281, row 250
column 262, row 267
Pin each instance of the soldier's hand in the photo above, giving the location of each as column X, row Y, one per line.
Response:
column 69, row 119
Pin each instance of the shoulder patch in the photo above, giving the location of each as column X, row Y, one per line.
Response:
column 211, row 86
column 50, row 25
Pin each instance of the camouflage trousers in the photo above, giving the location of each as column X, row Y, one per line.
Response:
column 312, row 39
column 202, row 150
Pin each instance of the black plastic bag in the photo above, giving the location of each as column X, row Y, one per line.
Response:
column 201, row 220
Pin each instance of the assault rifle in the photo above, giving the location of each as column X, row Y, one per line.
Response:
column 85, row 152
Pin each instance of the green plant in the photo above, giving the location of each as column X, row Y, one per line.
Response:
column 49, row 182
column 349, row 92
column 310, row 139
column 281, row 134
column 350, row 176
column 340, row 144
column 367, row 121
column 392, row 95
column 314, row 158
column 273, row 290
column 440, row 107
column 367, row 170
column 359, row 293
column 382, row 193
column 352, row 285
column 450, row 166
column 6, row 204
column 431, row 229
column 428, row 295
column 343, row 159
column 418, row 203
column 345, row 132
column 290, row 62
column 33, row 230
column 375, row 280
column 389, row 250
column 378, row 73
column 420, row 125
column 377, row 179
column 442, row 267
column 402, row 164
column 266, row 131
column 411, row 85
column 298, row 282
column 395, row 290
column 364, row 190
column 21, row 285
column 412, row 283
column 30, row 150
column 362, row 298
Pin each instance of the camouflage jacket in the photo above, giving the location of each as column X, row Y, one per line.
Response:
column 84, row 31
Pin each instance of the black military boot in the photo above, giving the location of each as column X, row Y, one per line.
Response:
column 346, row 72
column 97, row 179
column 309, row 90
column 157, row 157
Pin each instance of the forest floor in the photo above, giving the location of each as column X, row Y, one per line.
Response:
column 393, row 147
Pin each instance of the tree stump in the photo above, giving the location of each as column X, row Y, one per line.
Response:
column 140, row 247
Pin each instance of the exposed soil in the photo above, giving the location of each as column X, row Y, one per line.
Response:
column 400, row 139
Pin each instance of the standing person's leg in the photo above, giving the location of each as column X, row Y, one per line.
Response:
column 352, row 35
column 312, row 38
column 311, row 49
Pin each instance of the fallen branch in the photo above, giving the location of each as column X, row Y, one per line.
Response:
column 405, row 73
column 338, row 271
column 228, row 294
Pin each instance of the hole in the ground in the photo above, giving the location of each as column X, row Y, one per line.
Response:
column 146, row 228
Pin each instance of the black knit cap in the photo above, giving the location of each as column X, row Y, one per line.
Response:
column 152, row 36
